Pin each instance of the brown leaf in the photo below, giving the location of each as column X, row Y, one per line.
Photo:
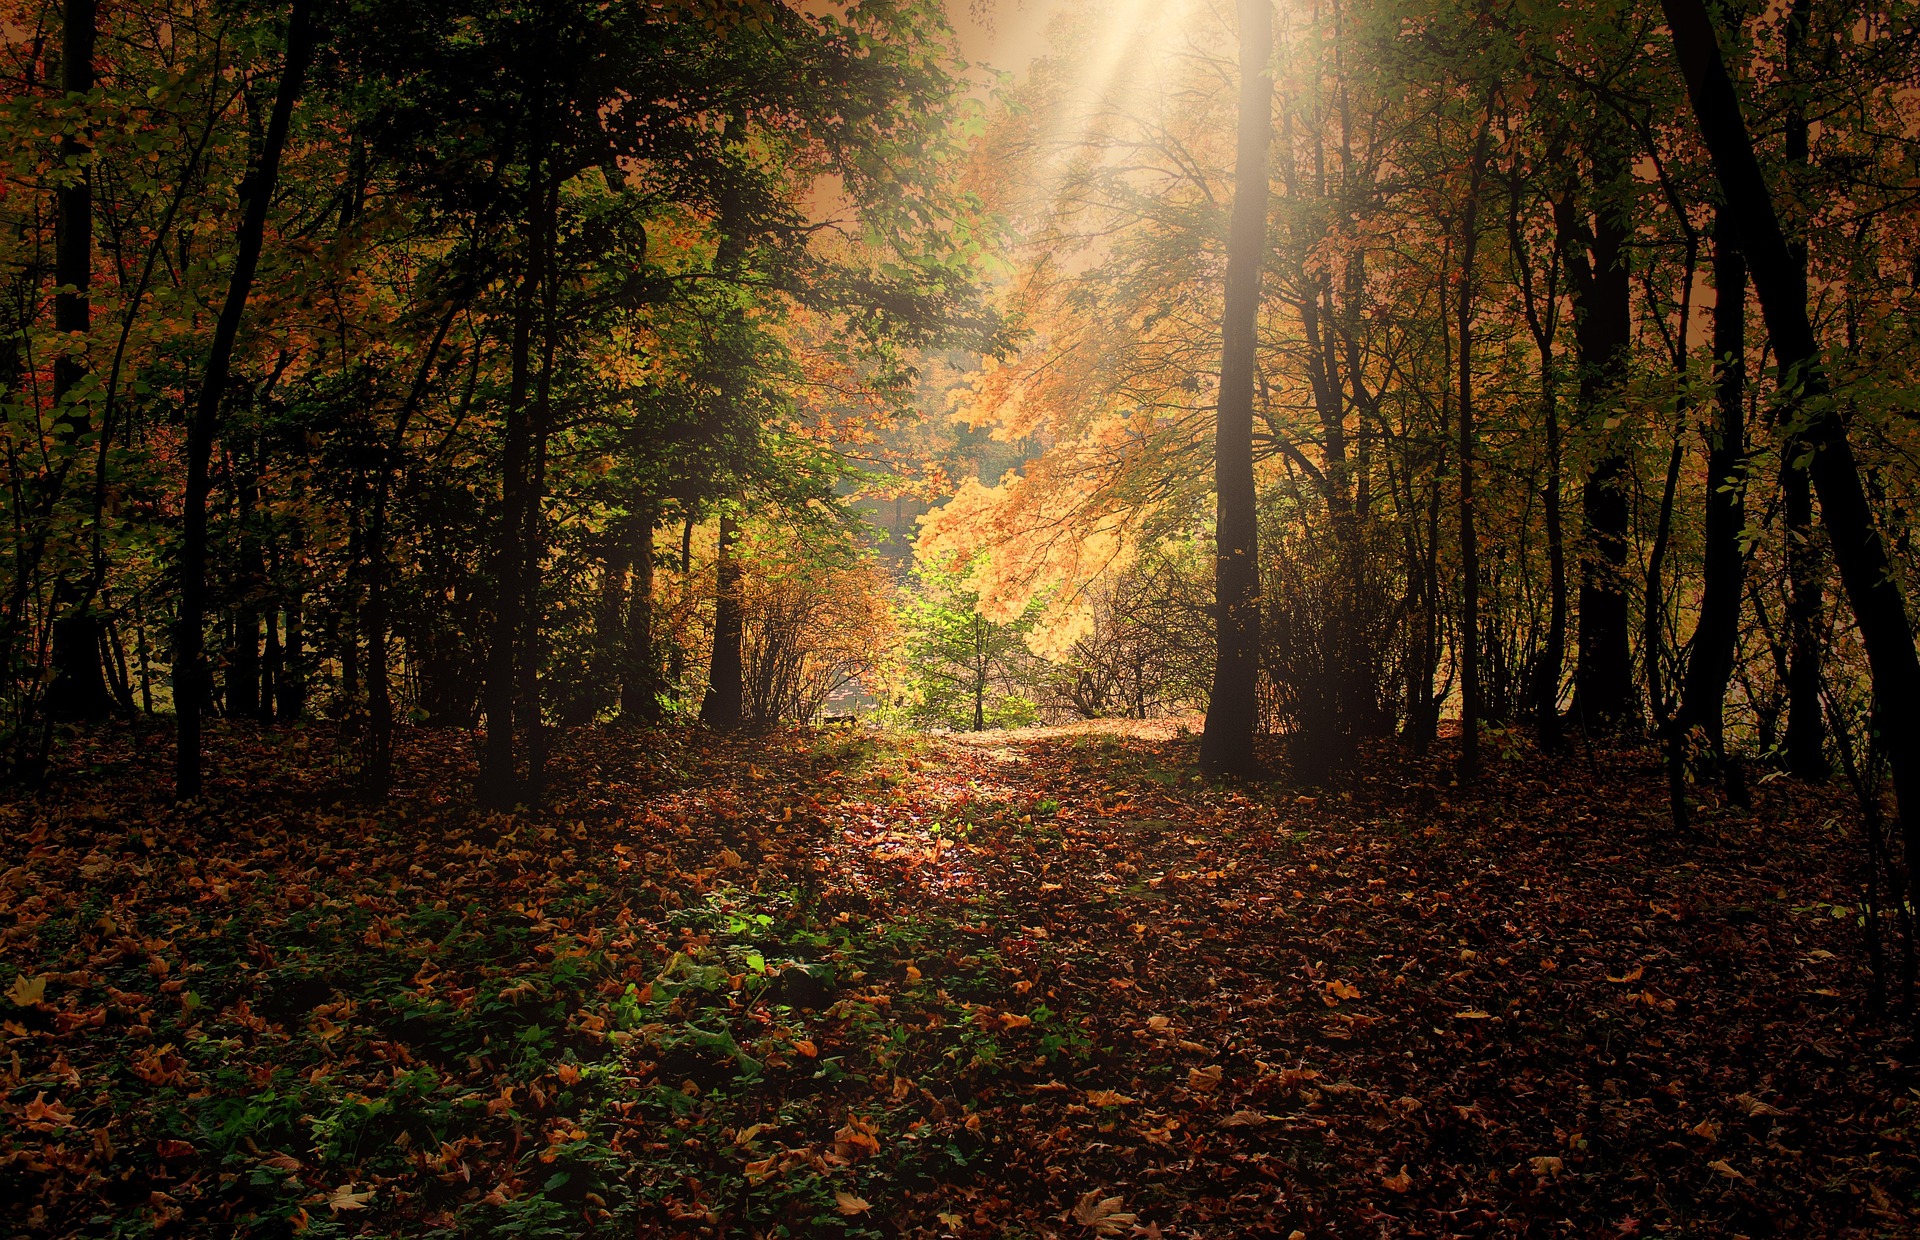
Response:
column 1105, row 1216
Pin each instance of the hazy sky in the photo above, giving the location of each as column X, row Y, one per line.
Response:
column 1012, row 34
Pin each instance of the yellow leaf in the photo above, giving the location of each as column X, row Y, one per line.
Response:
column 344, row 1198
column 1337, row 990
column 1104, row 1216
column 913, row 973
column 27, row 991
column 1473, row 1014
column 1624, row 978
column 849, row 1204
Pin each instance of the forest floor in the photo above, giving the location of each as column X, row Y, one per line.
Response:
column 846, row 983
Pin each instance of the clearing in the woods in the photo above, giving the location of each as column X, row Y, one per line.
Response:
column 847, row 983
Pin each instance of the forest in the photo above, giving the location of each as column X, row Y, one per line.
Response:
column 907, row 618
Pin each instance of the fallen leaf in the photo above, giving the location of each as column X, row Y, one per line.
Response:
column 1105, row 1216
column 1546, row 1165
column 1473, row 1014
column 1707, row 1129
column 1725, row 1168
column 344, row 1198
column 1204, row 1080
column 1397, row 1183
column 1107, row 1098
column 1244, row 1119
column 1624, row 978
column 27, row 991
column 849, row 1204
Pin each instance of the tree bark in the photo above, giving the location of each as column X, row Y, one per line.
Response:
column 1806, row 735
column 1715, row 636
column 1603, row 330
column 1865, row 572
column 1226, row 746
column 190, row 671
column 725, row 673
column 79, row 688
column 1470, row 705
column 640, row 679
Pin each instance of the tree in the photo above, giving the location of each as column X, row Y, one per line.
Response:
column 963, row 670
column 1226, row 747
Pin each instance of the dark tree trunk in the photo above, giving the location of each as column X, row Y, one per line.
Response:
column 640, row 679
column 499, row 783
column 190, row 671
column 1470, row 705
column 1865, row 572
column 79, row 687
column 1806, row 735
column 377, row 773
column 290, row 687
column 1603, row 326
column 1226, row 746
column 725, row 674
column 243, row 657
column 1805, row 742
column 1710, row 662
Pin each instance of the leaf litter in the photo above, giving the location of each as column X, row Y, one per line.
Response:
column 840, row 984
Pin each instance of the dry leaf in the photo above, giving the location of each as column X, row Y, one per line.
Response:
column 849, row 1204
column 1725, row 1168
column 1547, row 1165
column 1337, row 990
column 27, row 991
column 344, row 1198
column 1634, row 976
column 1244, row 1119
column 1104, row 1215
column 1473, row 1014
column 1397, row 1183
column 1107, row 1098
column 1708, row 1129
column 1204, row 1080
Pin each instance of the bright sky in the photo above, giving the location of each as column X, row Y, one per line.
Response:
column 1006, row 34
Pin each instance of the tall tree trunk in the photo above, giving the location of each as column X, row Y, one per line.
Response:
column 1715, row 637
column 640, row 680
column 79, row 688
column 1865, row 571
column 499, row 784
column 725, row 673
column 376, row 776
column 243, row 656
column 1226, row 746
column 1806, row 735
column 1470, row 705
column 190, row 672
column 1603, row 329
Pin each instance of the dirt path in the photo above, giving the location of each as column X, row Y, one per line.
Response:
column 818, row 985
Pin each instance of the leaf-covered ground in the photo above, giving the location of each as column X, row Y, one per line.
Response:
column 824, row 984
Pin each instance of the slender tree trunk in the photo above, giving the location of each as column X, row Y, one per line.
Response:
column 532, row 642
column 79, row 689
column 500, row 785
column 1226, row 746
column 1806, row 735
column 1715, row 637
column 640, row 680
column 1603, row 328
column 377, row 773
column 1865, row 571
column 1470, row 705
column 725, row 673
column 243, row 656
column 190, row 672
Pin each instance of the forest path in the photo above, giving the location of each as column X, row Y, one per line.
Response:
column 869, row 984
